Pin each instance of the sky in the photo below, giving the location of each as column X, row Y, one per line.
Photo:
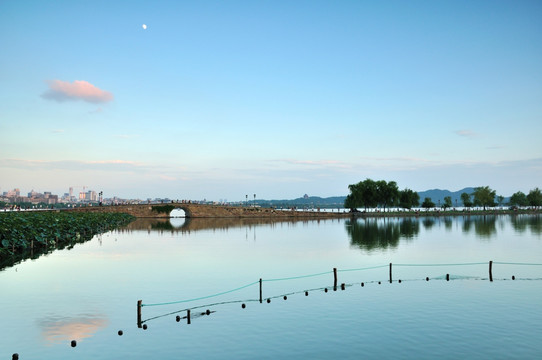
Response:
column 218, row 100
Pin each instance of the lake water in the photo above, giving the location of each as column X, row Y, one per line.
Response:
column 89, row 293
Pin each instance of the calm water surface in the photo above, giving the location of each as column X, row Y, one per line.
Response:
column 89, row 293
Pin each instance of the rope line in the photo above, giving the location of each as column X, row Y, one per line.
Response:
column 299, row 277
column 330, row 272
column 458, row 264
column 366, row 268
column 511, row 263
column 203, row 297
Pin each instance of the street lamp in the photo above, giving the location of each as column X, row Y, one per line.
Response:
column 246, row 200
column 254, row 200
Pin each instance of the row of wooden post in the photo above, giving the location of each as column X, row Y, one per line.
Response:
column 139, row 302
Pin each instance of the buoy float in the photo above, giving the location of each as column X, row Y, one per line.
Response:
column 243, row 306
column 120, row 333
column 362, row 284
column 513, row 277
column 208, row 312
column 74, row 343
column 177, row 318
column 15, row 356
column 268, row 301
column 144, row 326
column 285, row 297
column 306, row 293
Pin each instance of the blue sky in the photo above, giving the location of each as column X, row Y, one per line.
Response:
column 219, row 99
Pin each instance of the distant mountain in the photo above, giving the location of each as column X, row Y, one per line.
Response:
column 306, row 201
column 436, row 195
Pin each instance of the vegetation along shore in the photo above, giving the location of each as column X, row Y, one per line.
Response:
column 31, row 234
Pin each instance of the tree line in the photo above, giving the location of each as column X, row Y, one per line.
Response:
column 371, row 194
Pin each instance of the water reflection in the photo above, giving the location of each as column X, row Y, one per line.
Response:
column 522, row 223
column 57, row 329
column 371, row 233
column 191, row 224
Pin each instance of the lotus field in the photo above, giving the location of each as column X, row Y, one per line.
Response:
column 30, row 234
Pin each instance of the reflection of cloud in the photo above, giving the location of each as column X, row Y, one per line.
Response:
column 78, row 90
column 56, row 329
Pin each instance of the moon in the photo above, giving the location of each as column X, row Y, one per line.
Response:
column 144, row 27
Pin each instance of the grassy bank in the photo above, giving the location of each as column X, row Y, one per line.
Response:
column 31, row 234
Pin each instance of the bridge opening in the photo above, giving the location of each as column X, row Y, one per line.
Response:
column 177, row 213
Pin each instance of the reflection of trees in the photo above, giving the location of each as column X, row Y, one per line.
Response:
column 428, row 222
column 521, row 223
column 371, row 234
column 485, row 226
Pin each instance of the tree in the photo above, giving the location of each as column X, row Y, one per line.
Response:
column 387, row 193
column 535, row 197
column 500, row 199
column 427, row 203
column 447, row 202
column 362, row 194
column 408, row 199
column 519, row 199
column 484, row 196
column 466, row 200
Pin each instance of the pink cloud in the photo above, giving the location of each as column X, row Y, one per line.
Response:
column 78, row 90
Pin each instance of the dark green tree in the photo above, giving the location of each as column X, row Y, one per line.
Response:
column 447, row 202
column 387, row 193
column 500, row 199
column 427, row 203
column 535, row 198
column 362, row 194
column 519, row 199
column 408, row 199
column 465, row 198
column 484, row 196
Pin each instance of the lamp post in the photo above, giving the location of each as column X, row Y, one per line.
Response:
column 254, row 200
column 246, row 200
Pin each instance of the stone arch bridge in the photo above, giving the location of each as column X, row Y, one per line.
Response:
column 207, row 211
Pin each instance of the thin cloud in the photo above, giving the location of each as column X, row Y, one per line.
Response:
column 466, row 133
column 58, row 131
column 78, row 90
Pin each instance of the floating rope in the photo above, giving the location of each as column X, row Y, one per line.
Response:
column 458, row 264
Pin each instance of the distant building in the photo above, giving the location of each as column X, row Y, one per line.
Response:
column 305, row 196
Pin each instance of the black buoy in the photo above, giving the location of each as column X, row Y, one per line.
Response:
column 15, row 356
column 74, row 343
column 379, row 283
column 243, row 306
column 268, row 301
column 285, row 297
column 144, row 326
column 120, row 333
column 447, row 277
column 513, row 277
column 177, row 318
column 427, row 279
column 306, row 293
column 399, row 281
column 325, row 290
column 362, row 284
column 343, row 286
column 208, row 312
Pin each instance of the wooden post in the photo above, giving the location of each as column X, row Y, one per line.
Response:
column 390, row 273
column 260, row 290
column 139, row 313
column 490, row 270
column 334, row 279
column 188, row 316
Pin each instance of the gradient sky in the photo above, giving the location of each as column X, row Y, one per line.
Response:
column 219, row 99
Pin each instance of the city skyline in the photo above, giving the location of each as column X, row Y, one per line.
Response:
column 217, row 100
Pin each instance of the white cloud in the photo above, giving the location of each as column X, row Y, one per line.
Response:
column 78, row 90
